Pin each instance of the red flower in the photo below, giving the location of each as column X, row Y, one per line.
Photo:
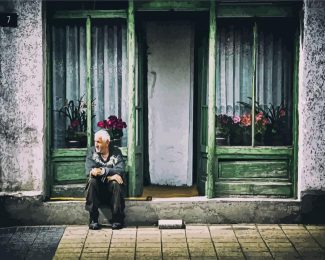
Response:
column 246, row 119
column 282, row 113
column 74, row 123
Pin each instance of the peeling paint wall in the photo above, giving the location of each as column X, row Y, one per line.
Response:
column 312, row 99
column 21, row 99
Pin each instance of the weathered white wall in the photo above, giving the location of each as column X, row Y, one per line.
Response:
column 21, row 99
column 312, row 99
column 170, row 87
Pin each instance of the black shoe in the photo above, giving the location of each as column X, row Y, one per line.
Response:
column 117, row 225
column 94, row 225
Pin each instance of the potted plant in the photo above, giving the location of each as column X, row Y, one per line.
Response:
column 76, row 115
column 114, row 126
column 270, row 123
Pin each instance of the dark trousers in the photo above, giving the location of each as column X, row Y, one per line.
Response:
column 111, row 194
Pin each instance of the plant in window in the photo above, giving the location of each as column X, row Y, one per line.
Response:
column 270, row 122
column 114, row 126
column 76, row 115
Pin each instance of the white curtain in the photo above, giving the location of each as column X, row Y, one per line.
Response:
column 235, row 66
column 108, row 71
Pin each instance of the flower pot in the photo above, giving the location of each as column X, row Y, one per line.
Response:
column 72, row 143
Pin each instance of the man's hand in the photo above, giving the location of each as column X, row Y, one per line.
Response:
column 96, row 172
column 116, row 178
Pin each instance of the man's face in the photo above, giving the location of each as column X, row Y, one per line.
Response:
column 100, row 145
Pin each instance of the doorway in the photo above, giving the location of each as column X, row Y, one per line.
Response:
column 170, row 101
column 170, row 96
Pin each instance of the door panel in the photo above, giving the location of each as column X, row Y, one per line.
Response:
column 202, row 106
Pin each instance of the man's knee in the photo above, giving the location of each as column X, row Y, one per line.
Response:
column 93, row 182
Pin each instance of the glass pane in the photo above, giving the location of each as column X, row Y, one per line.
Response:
column 68, row 42
column 109, row 75
column 234, row 82
column 274, row 82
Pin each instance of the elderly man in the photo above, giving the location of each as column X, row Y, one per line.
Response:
column 106, row 184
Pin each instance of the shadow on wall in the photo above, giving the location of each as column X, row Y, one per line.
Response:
column 5, row 220
column 313, row 207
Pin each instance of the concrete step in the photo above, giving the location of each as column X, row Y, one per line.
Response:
column 32, row 210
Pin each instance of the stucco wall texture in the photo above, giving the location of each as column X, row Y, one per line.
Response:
column 311, row 163
column 21, row 99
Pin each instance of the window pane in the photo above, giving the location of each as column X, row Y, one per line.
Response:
column 68, row 42
column 234, row 81
column 109, row 72
column 274, row 82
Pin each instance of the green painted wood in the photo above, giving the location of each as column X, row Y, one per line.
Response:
column 48, row 112
column 253, row 157
column 255, row 50
column 201, row 65
column 212, row 100
column 139, row 160
column 295, row 113
column 78, row 152
column 255, row 10
column 84, row 14
column 268, row 150
column 88, row 85
column 69, row 171
column 171, row 5
column 276, row 189
column 253, row 169
column 132, row 112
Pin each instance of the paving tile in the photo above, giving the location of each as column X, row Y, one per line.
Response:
column 93, row 255
column 175, row 257
column 231, row 257
column 175, row 251
column 202, row 252
column 121, row 257
column 143, row 257
column 122, row 244
column 95, row 250
column 226, row 252
column 148, row 245
column 177, row 244
column 203, row 258
column 118, row 250
column 315, row 227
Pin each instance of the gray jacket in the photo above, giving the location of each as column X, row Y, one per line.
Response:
column 113, row 165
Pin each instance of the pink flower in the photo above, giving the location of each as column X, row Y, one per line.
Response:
column 236, row 119
column 101, row 124
column 259, row 116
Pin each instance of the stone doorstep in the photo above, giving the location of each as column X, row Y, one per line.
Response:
column 33, row 211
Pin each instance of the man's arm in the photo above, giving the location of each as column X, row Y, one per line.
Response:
column 89, row 164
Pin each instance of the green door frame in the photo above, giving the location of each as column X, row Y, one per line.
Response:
column 215, row 11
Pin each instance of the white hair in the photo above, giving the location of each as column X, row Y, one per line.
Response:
column 103, row 134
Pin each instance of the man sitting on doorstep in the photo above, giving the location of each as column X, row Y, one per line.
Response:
column 106, row 184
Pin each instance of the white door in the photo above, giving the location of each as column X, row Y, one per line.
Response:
column 170, row 101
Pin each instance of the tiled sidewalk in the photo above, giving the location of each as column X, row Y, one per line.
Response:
column 29, row 242
column 195, row 242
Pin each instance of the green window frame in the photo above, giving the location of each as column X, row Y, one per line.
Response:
column 65, row 166
column 227, row 162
